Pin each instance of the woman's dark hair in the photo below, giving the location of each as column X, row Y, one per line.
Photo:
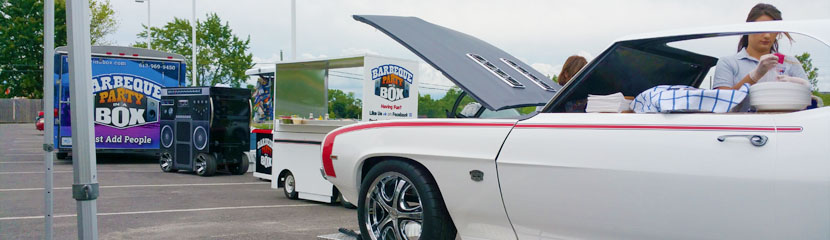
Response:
column 759, row 10
column 572, row 65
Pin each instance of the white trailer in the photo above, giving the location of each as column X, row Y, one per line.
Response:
column 290, row 156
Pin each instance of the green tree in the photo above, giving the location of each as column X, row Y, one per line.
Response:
column 222, row 56
column 344, row 105
column 21, row 50
column 438, row 108
column 812, row 72
column 102, row 22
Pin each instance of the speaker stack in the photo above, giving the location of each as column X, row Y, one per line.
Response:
column 205, row 129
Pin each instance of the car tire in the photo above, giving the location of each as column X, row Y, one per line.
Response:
column 289, row 187
column 434, row 222
column 166, row 162
column 205, row 165
column 62, row 155
column 241, row 167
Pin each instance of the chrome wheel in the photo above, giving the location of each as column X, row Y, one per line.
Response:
column 393, row 208
column 289, row 184
column 201, row 164
column 166, row 162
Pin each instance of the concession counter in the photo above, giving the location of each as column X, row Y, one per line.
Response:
column 296, row 94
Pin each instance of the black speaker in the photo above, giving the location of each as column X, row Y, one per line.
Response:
column 205, row 129
column 151, row 115
column 168, row 126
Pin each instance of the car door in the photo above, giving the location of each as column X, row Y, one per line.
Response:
column 639, row 176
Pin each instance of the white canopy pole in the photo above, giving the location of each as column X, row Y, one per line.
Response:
column 85, row 188
column 48, row 111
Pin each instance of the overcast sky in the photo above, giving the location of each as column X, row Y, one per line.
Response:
column 541, row 33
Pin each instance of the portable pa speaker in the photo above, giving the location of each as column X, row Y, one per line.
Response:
column 204, row 129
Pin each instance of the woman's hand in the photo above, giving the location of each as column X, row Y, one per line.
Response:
column 766, row 63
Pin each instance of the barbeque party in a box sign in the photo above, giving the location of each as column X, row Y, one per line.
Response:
column 124, row 101
column 392, row 89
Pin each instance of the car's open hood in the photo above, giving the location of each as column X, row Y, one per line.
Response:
column 491, row 76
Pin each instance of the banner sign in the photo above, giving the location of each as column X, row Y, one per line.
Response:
column 264, row 151
column 126, row 95
column 393, row 92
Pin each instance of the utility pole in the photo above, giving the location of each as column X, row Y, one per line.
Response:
column 293, row 30
column 48, row 112
column 149, row 43
column 85, row 187
column 193, row 47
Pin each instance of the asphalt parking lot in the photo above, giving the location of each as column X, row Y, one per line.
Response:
column 139, row 201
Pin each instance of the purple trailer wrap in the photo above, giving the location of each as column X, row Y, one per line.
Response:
column 126, row 86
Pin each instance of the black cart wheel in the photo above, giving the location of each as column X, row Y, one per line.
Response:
column 290, row 186
column 399, row 200
column 205, row 165
column 166, row 162
column 241, row 167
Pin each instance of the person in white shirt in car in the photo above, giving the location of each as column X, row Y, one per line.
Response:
column 756, row 60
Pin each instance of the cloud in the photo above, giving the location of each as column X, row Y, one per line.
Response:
column 547, row 69
column 311, row 56
column 357, row 51
column 823, row 84
column 588, row 56
column 260, row 61
column 433, row 77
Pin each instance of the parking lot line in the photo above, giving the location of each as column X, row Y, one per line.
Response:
column 141, row 186
column 22, row 162
column 100, row 171
column 21, row 154
column 26, row 148
column 167, row 211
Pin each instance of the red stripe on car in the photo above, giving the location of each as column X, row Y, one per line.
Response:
column 662, row 127
column 328, row 143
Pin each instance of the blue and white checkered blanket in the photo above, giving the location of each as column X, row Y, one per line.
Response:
column 680, row 98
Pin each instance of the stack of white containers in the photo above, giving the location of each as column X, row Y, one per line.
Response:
column 613, row 103
column 779, row 96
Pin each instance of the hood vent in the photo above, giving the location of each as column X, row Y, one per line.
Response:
column 495, row 70
column 528, row 75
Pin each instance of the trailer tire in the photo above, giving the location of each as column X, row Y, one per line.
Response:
column 205, row 165
column 290, row 186
column 241, row 167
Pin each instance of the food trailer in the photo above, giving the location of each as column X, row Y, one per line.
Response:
column 126, row 85
column 288, row 153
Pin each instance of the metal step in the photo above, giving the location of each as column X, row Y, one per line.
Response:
column 336, row 236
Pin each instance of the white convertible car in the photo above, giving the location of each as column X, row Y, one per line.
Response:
column 558, row 175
